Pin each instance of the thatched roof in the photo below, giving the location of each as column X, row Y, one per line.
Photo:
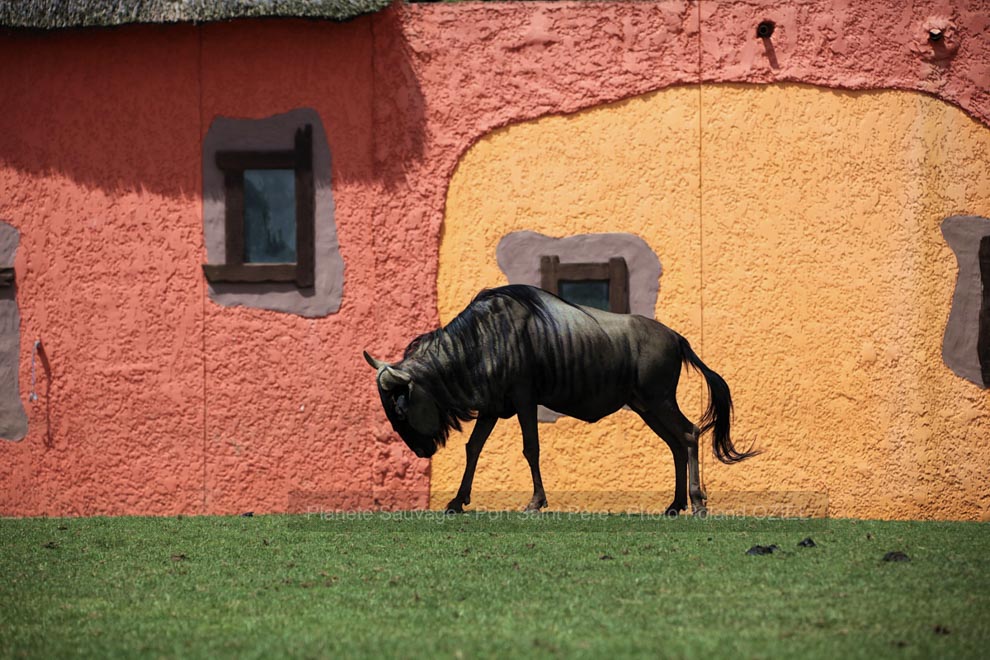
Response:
column 55, row 14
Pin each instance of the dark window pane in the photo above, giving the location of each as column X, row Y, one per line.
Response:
column 269, row 216
column 590, row 293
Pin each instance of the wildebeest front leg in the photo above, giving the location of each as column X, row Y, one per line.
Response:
column 531, row 450
column 482, row 429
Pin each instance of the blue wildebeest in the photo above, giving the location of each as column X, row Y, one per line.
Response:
column 516, row 347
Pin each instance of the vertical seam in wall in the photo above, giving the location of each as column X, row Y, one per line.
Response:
column 373, row 155
column 199, row 75
column 701, row 238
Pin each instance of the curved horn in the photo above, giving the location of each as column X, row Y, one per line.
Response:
column 373, row 362
column 390, row 379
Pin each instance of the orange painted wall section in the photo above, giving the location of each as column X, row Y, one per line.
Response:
column 802, row 258
column 154, row 400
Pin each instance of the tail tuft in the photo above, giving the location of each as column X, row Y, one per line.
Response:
column 718, row 415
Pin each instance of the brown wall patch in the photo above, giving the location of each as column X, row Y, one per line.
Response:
column 966, row 346
column 518, row 255
column 274, row 133
column 13, row 420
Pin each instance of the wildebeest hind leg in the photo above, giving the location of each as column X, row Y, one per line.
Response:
column 667, row 421
column 531, row 450
column 482, row 429
column 680, row 454
column 686, row 430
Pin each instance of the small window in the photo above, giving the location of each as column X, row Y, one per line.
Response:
column 6, row 277
column 601, row 285
column 269, row 209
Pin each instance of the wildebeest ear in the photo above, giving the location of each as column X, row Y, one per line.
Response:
column 373, row 362
column 423, row 414
column 390, row 378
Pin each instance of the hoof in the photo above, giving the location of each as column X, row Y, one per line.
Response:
column 454, row 506
column 535, row 505
column 674, row 510
column 700, row 512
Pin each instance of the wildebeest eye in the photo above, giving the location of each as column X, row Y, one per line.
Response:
column 401, row 406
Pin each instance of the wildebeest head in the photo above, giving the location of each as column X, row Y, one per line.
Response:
column 413, row 412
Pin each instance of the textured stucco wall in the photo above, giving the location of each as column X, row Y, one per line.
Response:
column 837, row 247
column 156, row 400
column 97, row 172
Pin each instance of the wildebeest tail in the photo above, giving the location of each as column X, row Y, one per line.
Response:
column 718, row 415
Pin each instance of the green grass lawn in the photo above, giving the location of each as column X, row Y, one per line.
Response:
column 484, row 585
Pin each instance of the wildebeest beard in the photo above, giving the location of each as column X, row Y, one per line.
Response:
column 424, row 445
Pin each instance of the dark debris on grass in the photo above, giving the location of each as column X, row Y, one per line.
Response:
column 763, row 549
column 756, row 550
column 896, row 555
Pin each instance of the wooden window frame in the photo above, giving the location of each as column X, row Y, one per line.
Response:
column 615, row 271
column 233, row 164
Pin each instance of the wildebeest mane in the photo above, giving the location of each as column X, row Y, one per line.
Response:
column 468, row 361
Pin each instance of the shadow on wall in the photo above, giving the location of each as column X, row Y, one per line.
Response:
column 109, row 109
column 398, row 104
column 120, row 109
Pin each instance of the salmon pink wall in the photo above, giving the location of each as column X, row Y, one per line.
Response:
column 152, row 399
column 158, row 400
